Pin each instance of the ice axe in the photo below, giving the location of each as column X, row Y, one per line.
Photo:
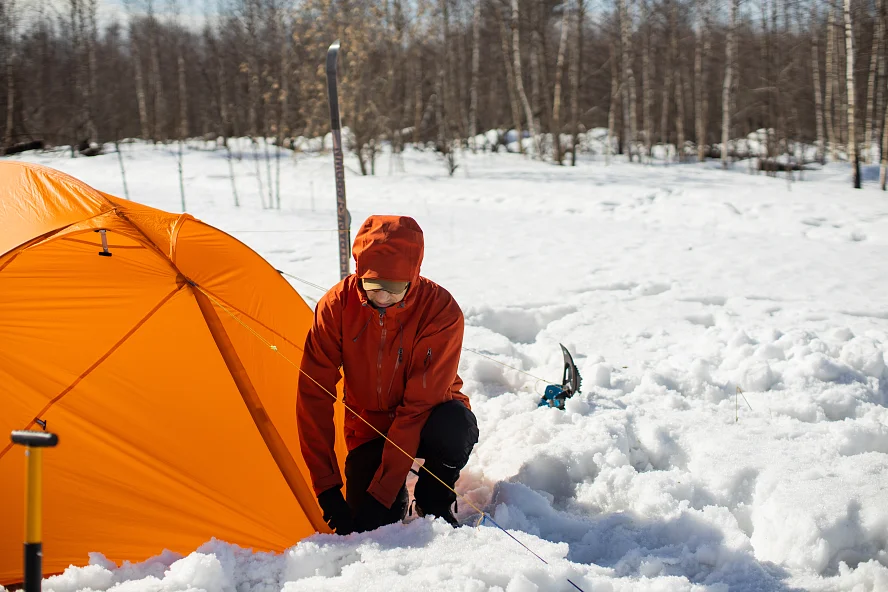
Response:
column 571, row 381
column 34, row 443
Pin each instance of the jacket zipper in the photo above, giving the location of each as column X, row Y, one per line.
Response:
column 379, row 360
column 398, row 361
column 428, row 360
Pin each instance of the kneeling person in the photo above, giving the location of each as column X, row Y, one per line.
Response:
column 397, row 338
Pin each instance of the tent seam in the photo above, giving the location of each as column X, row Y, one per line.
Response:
column 97, row 363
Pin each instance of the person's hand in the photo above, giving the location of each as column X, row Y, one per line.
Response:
column 372, row 514
column 337, row 514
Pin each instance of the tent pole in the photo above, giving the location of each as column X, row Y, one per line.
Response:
column 276, row 446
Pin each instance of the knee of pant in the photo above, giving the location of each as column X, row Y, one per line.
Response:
column 450, row 434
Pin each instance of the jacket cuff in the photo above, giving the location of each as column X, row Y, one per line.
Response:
column 328, row 482
column 383, row 496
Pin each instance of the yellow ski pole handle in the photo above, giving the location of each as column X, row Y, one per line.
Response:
column 34, row 442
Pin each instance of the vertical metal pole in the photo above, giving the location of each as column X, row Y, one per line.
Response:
column 34, row 443
column 34, row 521
column 338, row 165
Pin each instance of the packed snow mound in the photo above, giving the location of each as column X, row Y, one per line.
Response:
column 731, row 330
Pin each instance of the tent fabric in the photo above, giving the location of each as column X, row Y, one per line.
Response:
column 176, row 422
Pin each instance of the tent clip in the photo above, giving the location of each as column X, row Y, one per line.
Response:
column 104, row 252
column 41, row 423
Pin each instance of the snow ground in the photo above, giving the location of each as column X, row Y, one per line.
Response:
column 673, row 286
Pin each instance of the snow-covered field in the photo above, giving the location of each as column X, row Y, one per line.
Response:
column 673, row 286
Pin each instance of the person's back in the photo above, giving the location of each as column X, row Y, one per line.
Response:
column 397, row 338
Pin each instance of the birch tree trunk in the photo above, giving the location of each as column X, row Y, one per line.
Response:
column 510, row 80
column 831, row 85
column 460, row 67
column 559, row 72
column 284, row 92
column 612, row 110
column 417, row 96
column 253, row 71
column 849, row 81
column 80, row 47
column 882, row 85
column 700, row 77
column 519, row 84
column 157, row 83
column 574, row 73
column 544, row 115
column 91, row 84
column 140, row 85
column 476, row 62
column 10, row 35
column 667, row 87
column 629, row 96
column 282, row 129
column 840, row 92
column 883, row 172
column 535, row 54
column 75, row 75
column 221, row 79
column 183, row 94
column 647, row 80
column 728, row 83
column 679, row 88
column 875, row 54
column 815, row 69
column 445, row 99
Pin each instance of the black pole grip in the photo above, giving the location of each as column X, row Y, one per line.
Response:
column 34, row 439
column 33, row 567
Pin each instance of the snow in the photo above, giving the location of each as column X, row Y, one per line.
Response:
column 731, row 330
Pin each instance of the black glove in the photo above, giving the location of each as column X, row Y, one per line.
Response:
column 337, row 514
column 372, row 514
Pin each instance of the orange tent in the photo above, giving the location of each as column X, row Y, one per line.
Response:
column 152, row 360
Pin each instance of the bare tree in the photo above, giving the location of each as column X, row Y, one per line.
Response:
column 849, row 81
column 629, row 96
column 536, row 19
column 510, row 79
column 701, row 105
column 156, row 75
column 10, row 28
column 883, row 172
column 255, row 72
column 140, row 83
column 519, row 84
column 876, row 54
column 727, row 87
column 647, row 79
column 559, row 73
column 831, row 84
column 667, row 87
column 815, row 70
column 614, row 99
column 476, row 68
column 679, row 88
column 574, row 69
column 91, row 85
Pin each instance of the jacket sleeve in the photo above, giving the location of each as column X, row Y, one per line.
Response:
column 319, row 373
column 433, row 369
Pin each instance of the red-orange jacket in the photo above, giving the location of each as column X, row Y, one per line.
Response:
column 397, row 363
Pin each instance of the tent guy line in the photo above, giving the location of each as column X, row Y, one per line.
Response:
column 484, row 515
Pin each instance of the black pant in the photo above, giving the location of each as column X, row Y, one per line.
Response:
column 446, row 441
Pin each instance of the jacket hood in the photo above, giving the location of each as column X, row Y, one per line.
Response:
column 389, row 247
